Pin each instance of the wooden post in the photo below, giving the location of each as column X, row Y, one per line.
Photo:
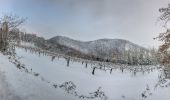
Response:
column 86, row 65
column 93, row 72
column 68, row 61
column 111, row 70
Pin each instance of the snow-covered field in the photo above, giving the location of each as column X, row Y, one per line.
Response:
column 16, row 84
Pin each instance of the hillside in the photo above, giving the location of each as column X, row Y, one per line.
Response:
column 108, row 49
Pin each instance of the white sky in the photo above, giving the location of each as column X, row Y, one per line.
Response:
column 134, row 20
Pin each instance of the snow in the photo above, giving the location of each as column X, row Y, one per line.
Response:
column 6, row 93
column 116, row 86
column 26, row 86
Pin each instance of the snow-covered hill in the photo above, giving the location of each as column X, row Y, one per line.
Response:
column 104, row 48
column 112, row 50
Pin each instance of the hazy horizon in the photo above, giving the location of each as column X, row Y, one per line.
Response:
column 87, row 20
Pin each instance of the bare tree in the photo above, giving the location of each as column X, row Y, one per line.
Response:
column 12, row 20
column 165, row 36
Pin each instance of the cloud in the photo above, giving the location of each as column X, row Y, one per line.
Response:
column 129, row 19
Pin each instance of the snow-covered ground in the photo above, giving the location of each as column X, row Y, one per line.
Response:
column 18, row 84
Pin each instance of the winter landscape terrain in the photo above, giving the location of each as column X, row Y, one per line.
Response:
column 34, row 68
column 41, row 76
column 84, row 50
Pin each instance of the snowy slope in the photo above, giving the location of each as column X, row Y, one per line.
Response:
column 18, row 85
column 117, row 86
column 78, row 45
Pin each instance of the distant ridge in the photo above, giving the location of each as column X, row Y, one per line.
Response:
column 107, row 49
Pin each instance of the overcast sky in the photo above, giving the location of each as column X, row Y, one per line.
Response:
column 133, row 20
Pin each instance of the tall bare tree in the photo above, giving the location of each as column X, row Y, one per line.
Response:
column 164, row 49
column 12, row 22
